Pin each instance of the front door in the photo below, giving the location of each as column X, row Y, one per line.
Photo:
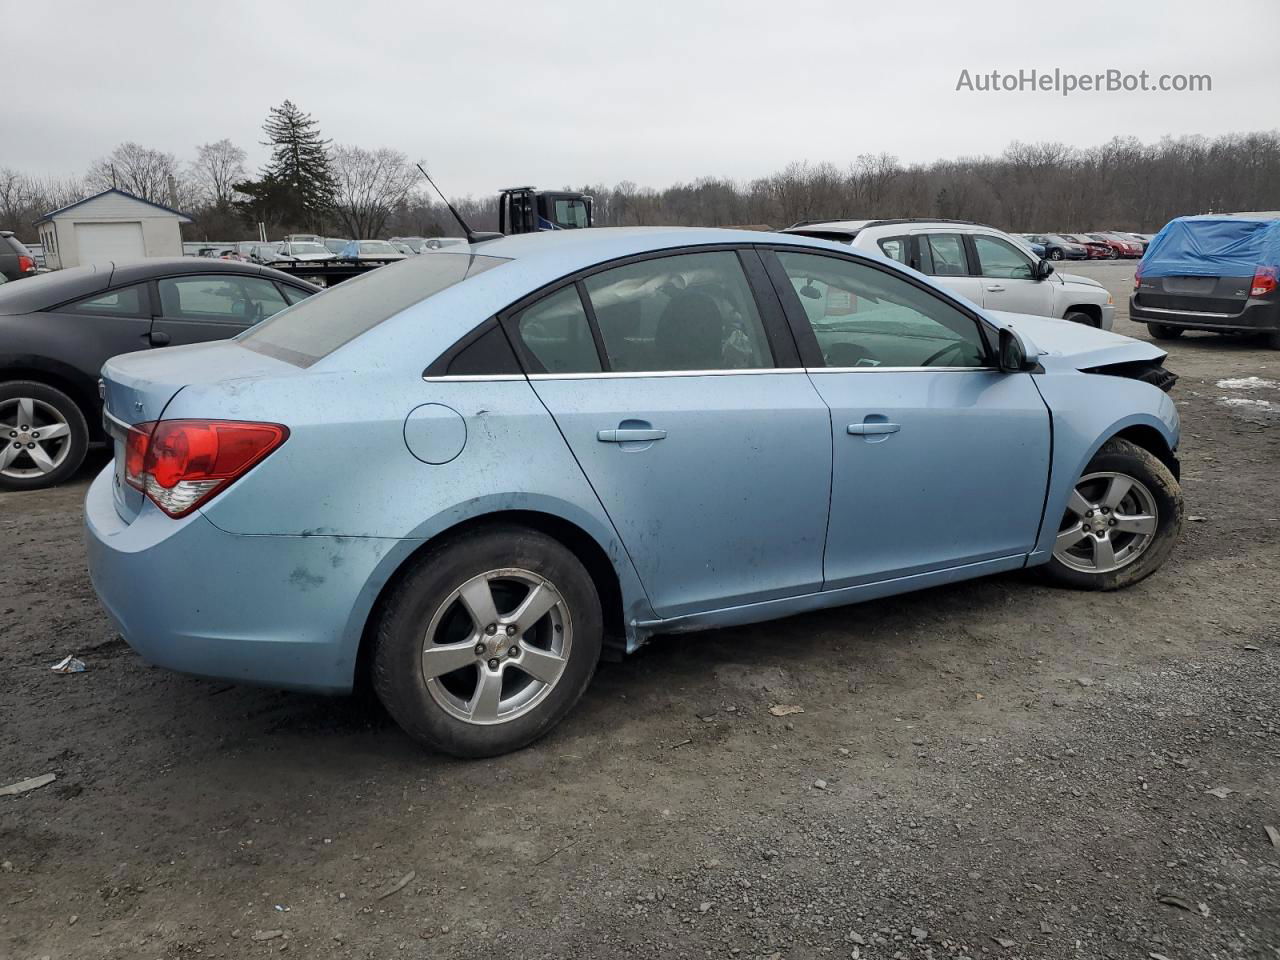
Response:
column 940, row 460
column 710, row 456
column 1008, row 278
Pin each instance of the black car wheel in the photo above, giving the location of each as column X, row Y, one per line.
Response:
column 1162, row 331
column 44, row 433
column 1055, row 253
column 488, row 641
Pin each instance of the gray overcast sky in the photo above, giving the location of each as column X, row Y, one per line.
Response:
column 493, row 94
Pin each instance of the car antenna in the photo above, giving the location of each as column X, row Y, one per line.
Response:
column 472, row 236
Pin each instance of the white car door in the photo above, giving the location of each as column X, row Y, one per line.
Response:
column 1008, row 278
column 944, row 257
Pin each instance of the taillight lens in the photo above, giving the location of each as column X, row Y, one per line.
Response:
column 26, row 265
column 1264, row 281
column 180, row 464
column 1137, row 278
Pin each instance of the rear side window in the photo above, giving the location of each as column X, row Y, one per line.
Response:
column 946, row 251
column 556, row 331
column 319, row 325
column 219, row 298
column 124, row 302
column 690, row 311
column 895, row 248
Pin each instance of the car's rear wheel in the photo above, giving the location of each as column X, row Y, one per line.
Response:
column 1273, row 340
column 45, row 436
column 1121, row 522
column 1162, row 331
column 488, row 641
column 1114, row 254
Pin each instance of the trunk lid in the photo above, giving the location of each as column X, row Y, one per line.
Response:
column 137, row 387
column 1224, row 295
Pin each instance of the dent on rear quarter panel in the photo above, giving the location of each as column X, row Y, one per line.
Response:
column 1088, row 410
column 346, row 471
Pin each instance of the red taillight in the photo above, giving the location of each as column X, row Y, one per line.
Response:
column 1137, row 277
column 180, row 464
column 1264, row 281
column 26, row 265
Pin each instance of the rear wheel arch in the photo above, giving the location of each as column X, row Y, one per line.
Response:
column 577, row 540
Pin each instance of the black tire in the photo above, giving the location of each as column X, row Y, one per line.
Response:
column 1162, row 331
column 1115, row 254
column 1079, row 316
column 76, row 443
column 1273, row 340
column 1055, row 253
column 1123, row 457
column 398, row 676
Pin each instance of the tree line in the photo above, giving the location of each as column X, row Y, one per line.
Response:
column 310, row 184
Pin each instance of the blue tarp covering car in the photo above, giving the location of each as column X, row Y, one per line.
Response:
column 1213, row 245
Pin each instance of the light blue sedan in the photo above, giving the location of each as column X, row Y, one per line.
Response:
column 470, row 473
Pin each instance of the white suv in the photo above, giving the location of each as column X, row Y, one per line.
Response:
column 990, row 268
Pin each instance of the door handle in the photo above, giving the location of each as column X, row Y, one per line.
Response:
column 995, row 288
column 159, row 338
column 630, row 435
column 868, row 429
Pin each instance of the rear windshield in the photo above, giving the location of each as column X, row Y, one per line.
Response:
column 319, row 325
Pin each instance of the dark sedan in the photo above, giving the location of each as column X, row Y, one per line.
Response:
column 1057, row 247
column 58, row 329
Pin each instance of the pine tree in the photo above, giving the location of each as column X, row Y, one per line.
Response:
column 298, row 172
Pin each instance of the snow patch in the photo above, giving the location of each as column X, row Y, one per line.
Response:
column 1249, row 402
column 1249, row 383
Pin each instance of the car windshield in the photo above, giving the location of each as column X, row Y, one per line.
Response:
column 335, row 246
column 317, row 326
column 376, row 246
column 308, row 248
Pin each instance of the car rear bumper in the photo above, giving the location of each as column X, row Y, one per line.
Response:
column 272, row 610
column 1258, row 316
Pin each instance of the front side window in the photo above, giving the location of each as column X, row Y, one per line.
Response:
column 865, row 317
column 125, row 302
column 999, row 258
column 690, row 311
column 556, row 331
column 243, row 301
column 946, row 254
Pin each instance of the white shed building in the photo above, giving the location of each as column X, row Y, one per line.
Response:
column 110, row 226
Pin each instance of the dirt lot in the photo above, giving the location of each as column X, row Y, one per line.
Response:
column 1009, row 770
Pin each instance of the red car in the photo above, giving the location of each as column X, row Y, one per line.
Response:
column 1096, row 248
column 1122, row 246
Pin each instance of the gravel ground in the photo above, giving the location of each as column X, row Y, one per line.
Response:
column 993, row 769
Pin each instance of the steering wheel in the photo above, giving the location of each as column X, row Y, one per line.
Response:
column 845, row 354
column 957, row 345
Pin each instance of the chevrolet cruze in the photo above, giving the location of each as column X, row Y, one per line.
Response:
column 467, row 474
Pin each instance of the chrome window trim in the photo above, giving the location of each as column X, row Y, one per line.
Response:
column 650, row 374
column 902, row 369
column 474, row 377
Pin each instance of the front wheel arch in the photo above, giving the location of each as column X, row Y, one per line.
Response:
column 1149, row 439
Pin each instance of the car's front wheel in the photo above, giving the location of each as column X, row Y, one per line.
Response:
column 488, row 641
column 45, row 436
column 1121, row 522
column 1055, row 254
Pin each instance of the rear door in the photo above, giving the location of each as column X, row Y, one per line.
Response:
column 194, row 308
column 945, row 257
column 1008, row 277
column 676, row 384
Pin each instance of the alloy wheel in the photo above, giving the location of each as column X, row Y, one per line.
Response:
column 36, row 437
column 1110, row 521
column 497, row 646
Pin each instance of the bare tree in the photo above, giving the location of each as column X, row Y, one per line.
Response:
column 218, row 167
column 138, row 170
column 371, row 184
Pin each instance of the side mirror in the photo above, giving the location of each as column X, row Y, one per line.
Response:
column 1013, row 354
column 1042, row 270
